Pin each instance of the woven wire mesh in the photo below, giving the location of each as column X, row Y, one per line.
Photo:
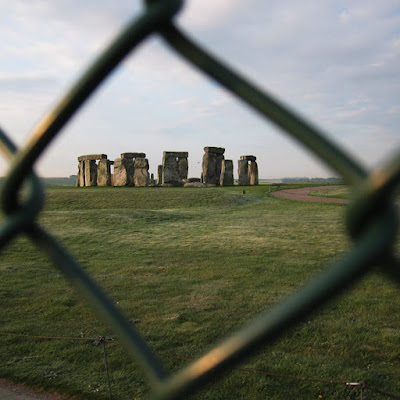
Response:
column 371, row 216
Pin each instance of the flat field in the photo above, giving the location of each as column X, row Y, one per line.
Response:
column 188, row 266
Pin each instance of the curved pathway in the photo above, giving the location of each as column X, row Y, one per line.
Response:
column 302, row 194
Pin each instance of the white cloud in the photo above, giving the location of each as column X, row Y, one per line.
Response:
column 337, row 64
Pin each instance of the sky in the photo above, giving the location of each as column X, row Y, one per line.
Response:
column 336, row 63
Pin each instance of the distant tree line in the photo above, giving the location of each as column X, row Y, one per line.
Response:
column 304, row 179
column 70, row 181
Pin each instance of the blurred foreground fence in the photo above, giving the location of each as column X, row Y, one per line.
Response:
column 371, row 218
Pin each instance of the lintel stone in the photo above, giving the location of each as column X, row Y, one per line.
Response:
column 92, row 157
column 214, row 150
column 248, row 158
column 133, row 155
column 177, row 154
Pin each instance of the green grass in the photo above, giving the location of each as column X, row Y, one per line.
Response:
column 188, row 266
column 341, row 192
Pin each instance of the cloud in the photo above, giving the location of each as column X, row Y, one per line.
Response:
column 335, row 63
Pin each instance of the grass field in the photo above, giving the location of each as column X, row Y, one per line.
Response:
column 337, row 192
column 187, row 266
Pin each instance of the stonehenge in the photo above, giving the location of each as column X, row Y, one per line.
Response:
column 226, row 177
column 132, row 169
column 174, row 168
column 247, row 171
column 215, row 169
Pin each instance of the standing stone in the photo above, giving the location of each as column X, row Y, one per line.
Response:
column 90, row 173
column 81, row 173
column 141, row 172
column 104, row 173
column 183, row 167
column 253, row 172
column 209, row 167
column 212, row 164
column 218, row 168
column 88, row 169
column 243, row 172
column 128, row 159
column 120, row 177
column 227, row 173
column 159, row 174
column 170, row 173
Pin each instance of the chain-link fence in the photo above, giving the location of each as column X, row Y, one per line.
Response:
column 371, row 218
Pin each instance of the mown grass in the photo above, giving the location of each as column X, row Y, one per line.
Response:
column 341, row 192
column 187, row 266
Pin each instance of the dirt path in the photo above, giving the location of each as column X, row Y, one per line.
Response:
column 11, row 391
column 303, row 195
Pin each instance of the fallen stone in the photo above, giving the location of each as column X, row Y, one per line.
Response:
column 198, row 184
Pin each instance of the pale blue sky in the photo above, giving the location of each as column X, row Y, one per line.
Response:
column 336, row 62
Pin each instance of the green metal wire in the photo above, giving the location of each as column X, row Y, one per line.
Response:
column 372, row 218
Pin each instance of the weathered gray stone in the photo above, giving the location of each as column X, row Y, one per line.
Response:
column 218, row 167
column 253, row 172
column 243, row 172
column 90, row 173
column 209, row 167
column 170, row 173
column 81, row 173
column 248, row 158
column 141, row 174
column 183, row 167
column 104, row 173
column 133, row 155
column 78, row 174
column 130, row 170
column 212, row 163
column 120, row 177
column 141, row 163
column 91, row 157
column 198, row 184
column 159, row 174
column 191, row 180
column 227, row 173
column 215, row 150
column 177, row 154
